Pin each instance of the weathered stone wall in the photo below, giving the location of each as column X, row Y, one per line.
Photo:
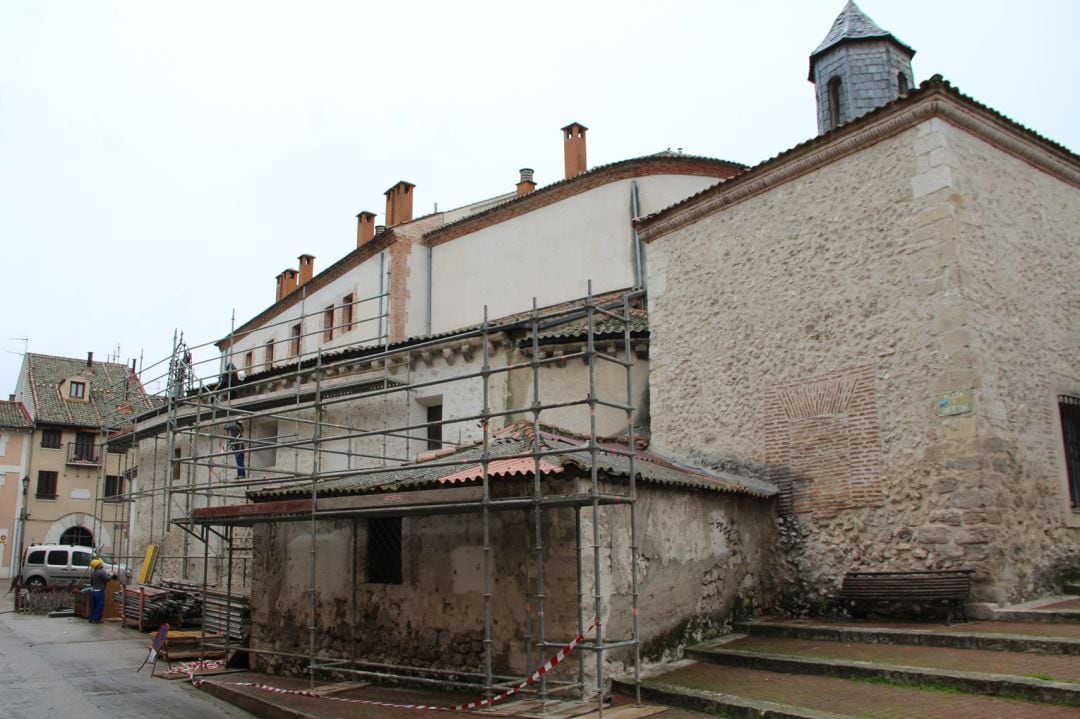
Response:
column 1018, row 231
column 700, row 550
column 810, row 333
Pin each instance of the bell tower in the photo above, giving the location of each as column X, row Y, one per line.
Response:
column 857, row 67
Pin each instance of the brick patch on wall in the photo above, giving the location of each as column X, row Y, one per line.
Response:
column 822, row 443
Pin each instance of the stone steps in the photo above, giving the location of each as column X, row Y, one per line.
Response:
column 988, row 637
column 742, row 692
column 822, row 670
column 917, row 666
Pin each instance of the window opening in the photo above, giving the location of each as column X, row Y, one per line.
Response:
column 346, row 313
column 268, row 354
column 901, row 83
column 328, row 324
column 77, row 390
column 46, row 484
column 434, row 427
column 84, row 447
column 834, row 102
column 294, row 341
column 384, row 550
column 114, row 487
column 78, row 536
column 51, row 438
column 1069, row 408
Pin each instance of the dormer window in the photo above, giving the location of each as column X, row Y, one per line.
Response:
column 77, row 390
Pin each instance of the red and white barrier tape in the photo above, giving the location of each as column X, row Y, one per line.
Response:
column 190, row 668
column 548, row 666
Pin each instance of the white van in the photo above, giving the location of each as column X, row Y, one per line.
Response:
column 61, row 564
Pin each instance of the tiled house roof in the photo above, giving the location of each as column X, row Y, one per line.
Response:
column 14, row 416
column 508, row 454
column 115, row 394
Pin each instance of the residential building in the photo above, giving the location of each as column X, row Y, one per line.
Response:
column 77, row 478
column 15, row 429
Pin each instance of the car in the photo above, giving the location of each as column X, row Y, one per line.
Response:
column 60, row 564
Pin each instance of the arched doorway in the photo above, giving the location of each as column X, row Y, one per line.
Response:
column 79, row 536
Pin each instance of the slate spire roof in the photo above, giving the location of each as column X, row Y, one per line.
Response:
column 853, row 24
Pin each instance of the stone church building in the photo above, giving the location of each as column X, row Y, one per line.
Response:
column 881, row 320
column 857, row 355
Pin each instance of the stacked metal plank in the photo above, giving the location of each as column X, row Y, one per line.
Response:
column 227, row 612
column 144, row 607
column 148, row 607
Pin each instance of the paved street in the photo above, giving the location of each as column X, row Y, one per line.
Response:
column 68, row 667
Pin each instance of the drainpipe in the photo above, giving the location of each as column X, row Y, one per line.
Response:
column 429, row 280
column 639, row 256
column 382, row 291
column 21, row 502
column 16, row 561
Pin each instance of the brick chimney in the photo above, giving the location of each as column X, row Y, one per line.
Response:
column 307, row 268
column 286, row 283
column 574, row 149
column 277, row 286
column 399, row 203
column 526, row 184
column 90, row 359
column 365, row 227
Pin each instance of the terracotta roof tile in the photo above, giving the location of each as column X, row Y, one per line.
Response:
column 116, row 395
column 509, row 454
column 14, row 416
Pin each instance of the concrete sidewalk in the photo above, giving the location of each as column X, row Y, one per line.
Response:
column 67, row 667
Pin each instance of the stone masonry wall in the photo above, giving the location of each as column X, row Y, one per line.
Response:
column 827, row 333
column 700, row 552
column 1017, row 240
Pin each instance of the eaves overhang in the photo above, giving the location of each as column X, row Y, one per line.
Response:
column 934, row 98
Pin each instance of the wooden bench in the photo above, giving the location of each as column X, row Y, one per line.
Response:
column 950, row 586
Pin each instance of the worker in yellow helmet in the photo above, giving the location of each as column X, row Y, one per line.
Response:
column 99, row 578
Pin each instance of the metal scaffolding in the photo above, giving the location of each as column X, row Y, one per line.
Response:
column 189, row 475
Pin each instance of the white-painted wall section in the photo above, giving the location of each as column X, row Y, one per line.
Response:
column 550, row 253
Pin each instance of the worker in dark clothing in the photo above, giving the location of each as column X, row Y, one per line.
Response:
column 236, row 446
column 229, row 380
column 99, row 579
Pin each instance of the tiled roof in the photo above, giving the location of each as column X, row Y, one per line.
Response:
column 604, row 325
column 13, row 416
column 509, row 455
column 607, row 299
column 936, row 85
column 116, row 396
column 583, row 182
column 853, row 24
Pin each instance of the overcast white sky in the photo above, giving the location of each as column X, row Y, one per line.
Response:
column 161, row 163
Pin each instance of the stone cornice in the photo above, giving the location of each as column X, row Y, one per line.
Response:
column 938, row 101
